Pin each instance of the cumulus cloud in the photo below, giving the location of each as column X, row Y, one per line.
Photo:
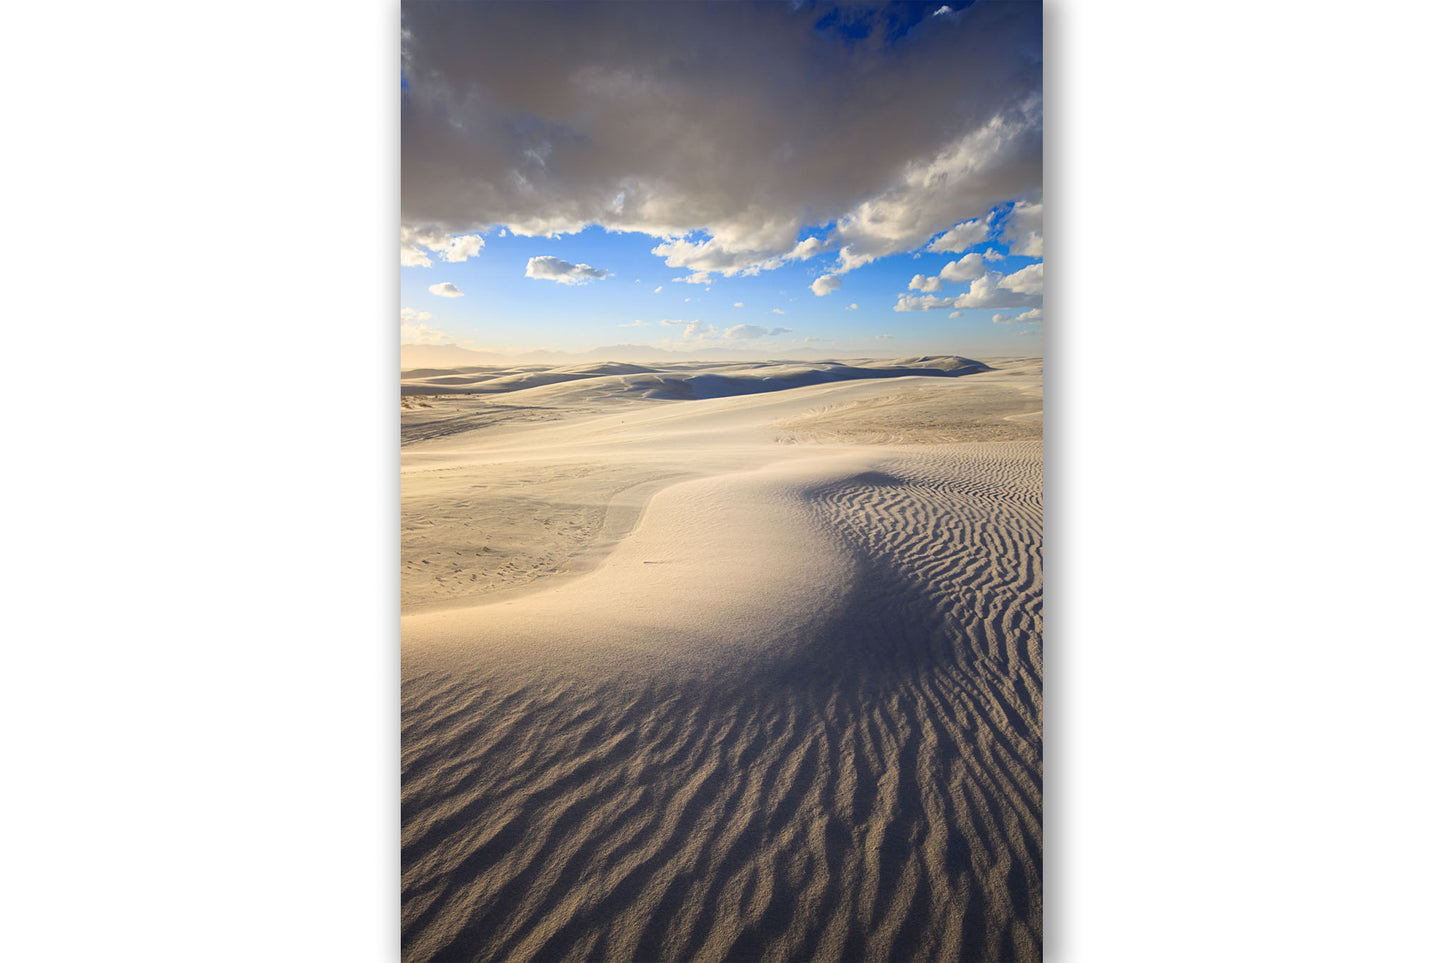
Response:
column 697, row 277
column 961, row 238
column 805, row 249
column 633, row 324
column 966, row 268
column 826, row 284
column 1022, row 289
column 1027, row 280
column 445, row 289
column 779, row 311
column 411, row 314
column 851, row 307
column 1023, row 317
column 415, row 242
column 617, row 124
column 737, row 304
column 992, row 255
column 1023, row 229
column 563, row 272
column 925, row 284
column 657, row 290
column 748, row 331
column 926, row 302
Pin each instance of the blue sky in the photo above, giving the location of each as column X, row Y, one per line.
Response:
column 771, row 180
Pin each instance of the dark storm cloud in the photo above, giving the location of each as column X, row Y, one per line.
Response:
column 744, row 122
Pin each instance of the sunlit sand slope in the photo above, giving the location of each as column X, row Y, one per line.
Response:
column 789, row 710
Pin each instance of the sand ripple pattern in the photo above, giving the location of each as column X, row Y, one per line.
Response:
column 879, row 800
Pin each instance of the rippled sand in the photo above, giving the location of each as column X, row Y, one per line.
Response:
column 752, row 676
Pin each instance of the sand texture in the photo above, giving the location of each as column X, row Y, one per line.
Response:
column 738, row 662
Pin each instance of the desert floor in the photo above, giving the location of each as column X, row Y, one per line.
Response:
column 738, row 661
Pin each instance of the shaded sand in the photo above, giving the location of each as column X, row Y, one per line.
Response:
column 750, row 676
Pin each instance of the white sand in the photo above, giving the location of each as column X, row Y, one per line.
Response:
column 754, row 675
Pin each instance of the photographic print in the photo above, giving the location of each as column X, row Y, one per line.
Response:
column 721, row 406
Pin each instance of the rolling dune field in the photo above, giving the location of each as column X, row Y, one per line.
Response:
column 732, row 662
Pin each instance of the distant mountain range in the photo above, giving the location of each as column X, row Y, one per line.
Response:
column 453, row 356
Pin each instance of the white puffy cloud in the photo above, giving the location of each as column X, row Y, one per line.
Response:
column 924, row 302
column 851, row 307
column 779, row 311
column 748, row 331
column 697, row 277
column 961, row 237
column 737, row 304
column 445, row 289
column 1023, row 229
column 1022, row 289
column 848, row 260
column 992, row 255
column 657, row 290
column 1024, row 317
column 634, row 324
column 826, row 284
column 415, row 242
column 1026, row 280
column 805, row 249
column 925, row 284
column 411, row 315
column 563, row 272
column 617, row 124
column 995, row 290
column 966, row 268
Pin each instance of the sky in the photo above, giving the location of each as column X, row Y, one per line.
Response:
column 802, row 179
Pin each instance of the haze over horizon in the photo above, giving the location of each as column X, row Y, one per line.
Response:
column 796, row 180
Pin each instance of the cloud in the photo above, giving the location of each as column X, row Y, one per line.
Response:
column 1026, row 280
column 697, row 277
column 851, row 307
column 749, row 331
column 445, row 289
column 1025, row 317
column 925, row 284
column 633, row 324
column 416, row 241
column 992, row 255
column 615, row 121
column 1022, row 289
column 966, row 268
column 805, row 249
column 657, row 290
column 963, row 181
column 1023, row 229
column 779, row 311
column 692, row 330
column 563, row 272
column 927, row 302
column 414, row 332
column 961, row 238
column 826, row 284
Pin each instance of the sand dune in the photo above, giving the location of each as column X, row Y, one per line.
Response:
column 749, row 677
